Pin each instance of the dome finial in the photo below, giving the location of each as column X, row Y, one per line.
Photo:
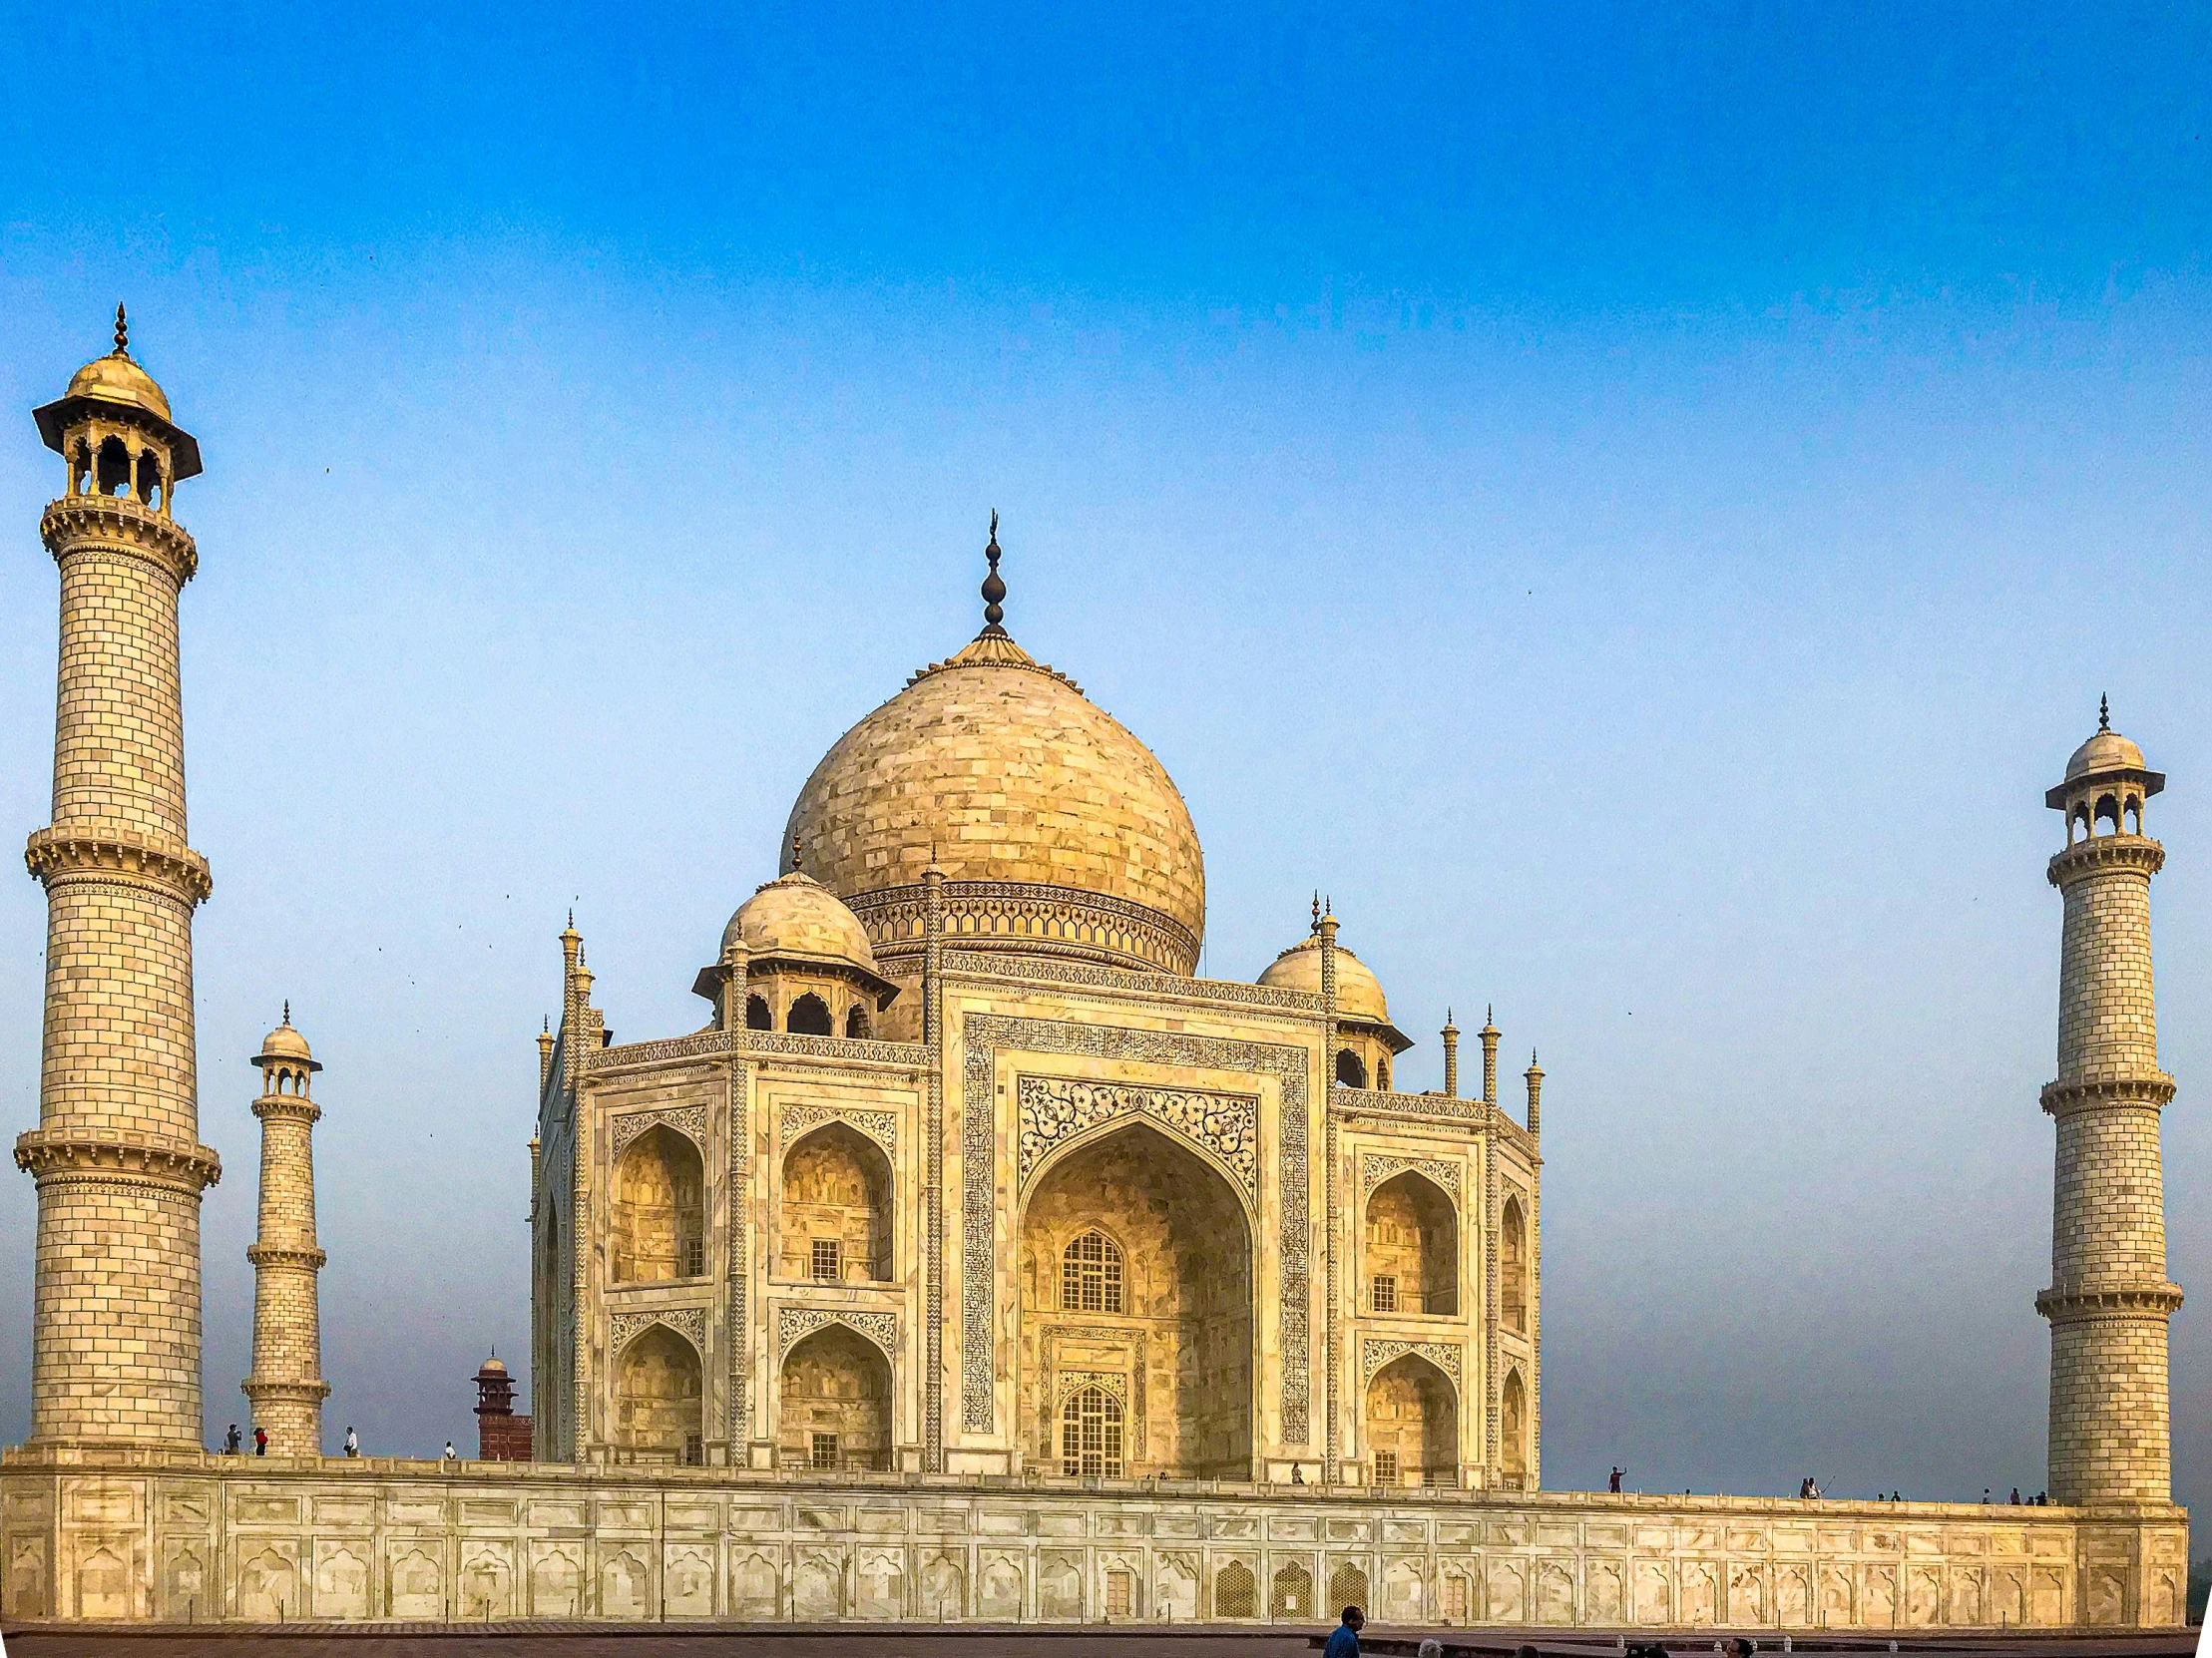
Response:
column 287, row 1010
column 994, row 590
column 2105, row 713
column 121, row 332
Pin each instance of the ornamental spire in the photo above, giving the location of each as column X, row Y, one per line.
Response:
column 121, row 332
column 2105, row 713
column 994, row 590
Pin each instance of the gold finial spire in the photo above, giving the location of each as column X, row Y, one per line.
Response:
column 2105, row 713
column 121, row 332
column 287, row 1007
column 994, row 590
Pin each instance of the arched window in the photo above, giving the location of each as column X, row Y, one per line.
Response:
column 1382, row 1075
column 1091, row 1275
column 1294, row 1596
column 115, row 469
column 757, row 1017
column 660, row 1209
column 1091, row 1434
column 1350, row 1072
column 1512, row 1268
column 835, row 1403
column 856, row 1022
column 2109, row 811
column 809, row 1016
column 1512, row 1430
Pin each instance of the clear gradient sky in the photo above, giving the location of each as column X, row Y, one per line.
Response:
column 1637, row 506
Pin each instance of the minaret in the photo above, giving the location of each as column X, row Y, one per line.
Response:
column 2109, row 1297
column 1488, row 1035
column 1533, row 1076
column 115, row 1331
column 1451, row 1035
column 287, row 1386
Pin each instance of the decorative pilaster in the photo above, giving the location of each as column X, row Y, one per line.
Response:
column 2109, row 1299
column 287, row 1386
column 1332, row 1428
column 932, row 1144
column 115, row 1325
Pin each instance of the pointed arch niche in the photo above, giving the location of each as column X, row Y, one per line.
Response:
column 1413, row 1424
column 659, row 1220
column 834, row 1405
column 836, row 1208
column 1413, row 1249
column 659, row 1398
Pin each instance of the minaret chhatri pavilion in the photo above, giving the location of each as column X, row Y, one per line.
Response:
column 2110, row 1297
column 287, row 1386
column 115, row 1352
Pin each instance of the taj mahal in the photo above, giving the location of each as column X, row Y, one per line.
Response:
column 974, row 1259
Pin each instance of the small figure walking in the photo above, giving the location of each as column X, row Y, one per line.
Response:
column 231, row 1442
column 1616, row 1486
column 450, row 1453
column 260, row 1441
column 2016, row 1497
column 1344, row 1640
column 352, row 1442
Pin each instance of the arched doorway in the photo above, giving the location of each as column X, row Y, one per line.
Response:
column 835, row 1403
column 1413, row 1425
column 660, row 1209
column 1136, row 1288
column 1412, row 1248
column 837, row 1216
column 657, row 1399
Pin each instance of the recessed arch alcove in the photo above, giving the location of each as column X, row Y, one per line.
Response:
column 836, row 1210
column 660, row 1228
column 658, row 1398
column 1413, row 1424
column 1412, row 1248
column 834, row 1409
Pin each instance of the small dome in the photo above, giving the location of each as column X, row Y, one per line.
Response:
column 2107, row 751
column 492, row 1367
column 285, row 1043
column 116, row 378
column 798, row 916
column 1359, row 993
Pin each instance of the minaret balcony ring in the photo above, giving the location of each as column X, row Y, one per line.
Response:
column 2064, row 1098
column 2107, row 852
column 2072, row 1306
column 81, row 523
column 61, row 854
column 113, row 1155
column 275, row 1255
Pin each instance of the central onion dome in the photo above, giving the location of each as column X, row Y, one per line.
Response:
column 1059, row 833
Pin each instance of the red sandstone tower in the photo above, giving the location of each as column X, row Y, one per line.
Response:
column 501, row 1436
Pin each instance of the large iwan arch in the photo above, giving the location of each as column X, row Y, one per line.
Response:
column 1136, row 1284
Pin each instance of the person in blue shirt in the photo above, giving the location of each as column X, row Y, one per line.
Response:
column 1344, row 1641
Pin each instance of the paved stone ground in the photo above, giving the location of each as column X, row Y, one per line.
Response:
column 600, row 1640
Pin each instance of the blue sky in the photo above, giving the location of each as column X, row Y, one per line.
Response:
column 1637, row 507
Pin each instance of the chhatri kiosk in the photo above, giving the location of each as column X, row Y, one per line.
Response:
column 974, row 1259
